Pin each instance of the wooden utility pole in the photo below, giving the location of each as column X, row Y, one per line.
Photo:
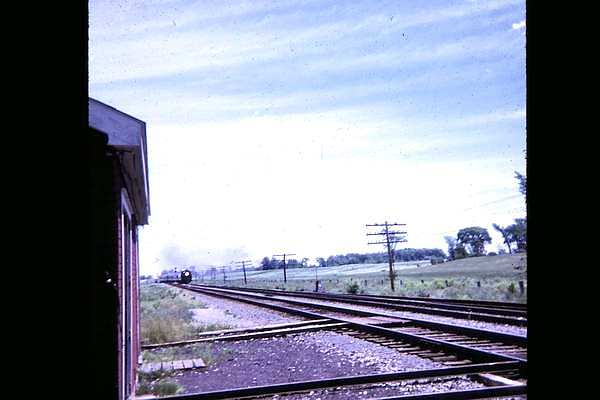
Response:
column 388, row 242
column 244, row 268
column 283, row 255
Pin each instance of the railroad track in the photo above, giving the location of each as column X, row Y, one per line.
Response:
column 499, row 357
column 494, row 312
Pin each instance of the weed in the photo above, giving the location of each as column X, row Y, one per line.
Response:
column 511, row 288
column 166, row 387
column 352, row 288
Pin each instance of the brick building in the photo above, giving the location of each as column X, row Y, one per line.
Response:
column 119, row 205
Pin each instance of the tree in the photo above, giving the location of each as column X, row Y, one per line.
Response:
column 265, row 263
column 522, row 183
column 505, row 235
column 321, row 261
column 460, row 252
column 475, row 237
column 518, row 233
column 451, row 246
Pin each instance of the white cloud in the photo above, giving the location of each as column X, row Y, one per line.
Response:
column 519, row 25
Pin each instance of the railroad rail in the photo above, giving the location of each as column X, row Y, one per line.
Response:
column 506, row 314
column 463, row 351
column 506, row 389
column 469, row 341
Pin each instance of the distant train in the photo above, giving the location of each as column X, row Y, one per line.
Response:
column 184, row 276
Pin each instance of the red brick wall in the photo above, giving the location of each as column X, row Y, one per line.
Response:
column 133, row 274
column 120, row 318
column 135, row 326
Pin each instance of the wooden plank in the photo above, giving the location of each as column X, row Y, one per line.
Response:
column 198, row 363
column 463, row 362
column 444, row 358
column 145, row 368
column 167, row 365
column 495, row 380
column 177, row 364
column 155, row 366
column 187, row 364
column 407, row 349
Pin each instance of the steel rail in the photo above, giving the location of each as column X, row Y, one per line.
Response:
column 516, row 317
column 347, row 381
column 480, row 303
column 440, row 303
column 483, row 304
column 485, row 393
column 484, row 333
column 246, row 336
column 468, row 352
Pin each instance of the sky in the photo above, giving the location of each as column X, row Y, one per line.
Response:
column 287, row 126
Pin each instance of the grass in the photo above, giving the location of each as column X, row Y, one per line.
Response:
column 498, row 276
column 166, row 315
column 157, row 383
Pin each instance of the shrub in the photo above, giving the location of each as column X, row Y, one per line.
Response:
column 166, row 387
column 352, row 288
column 511, row 288
column 439, row 284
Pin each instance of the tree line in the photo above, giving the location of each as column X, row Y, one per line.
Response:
column 408, row 254
column 470, row 242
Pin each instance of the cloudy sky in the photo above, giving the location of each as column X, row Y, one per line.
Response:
column 286, row 126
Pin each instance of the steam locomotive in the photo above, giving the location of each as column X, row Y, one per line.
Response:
column 184, row 276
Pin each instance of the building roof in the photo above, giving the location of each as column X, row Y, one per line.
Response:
column 127, row 134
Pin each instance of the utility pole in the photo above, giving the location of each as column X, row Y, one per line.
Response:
column 244, row 268
column 388, row 242
column 316, row 277
column 283, row 255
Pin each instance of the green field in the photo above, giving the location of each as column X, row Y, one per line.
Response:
column 498, row 277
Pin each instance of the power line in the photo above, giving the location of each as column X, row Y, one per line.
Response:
column 283, row 255
column 244, row 268
column 388, row 243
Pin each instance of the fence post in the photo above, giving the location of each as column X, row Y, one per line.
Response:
column 447, row 283
column 478, row 283
column 400, row 282
column 422, row 282
column 522, row 287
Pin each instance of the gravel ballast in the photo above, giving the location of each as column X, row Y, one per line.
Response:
column 504, row 328
column 299, row 357
column 236, row 314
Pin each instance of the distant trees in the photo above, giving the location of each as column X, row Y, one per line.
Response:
column 522, row 183
column 474, row 238
column 451, row 246
column 505, row 235
column 515, row 233
column 460, row 251
column 409, row 254
column 269, row 263
column 518, row 233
